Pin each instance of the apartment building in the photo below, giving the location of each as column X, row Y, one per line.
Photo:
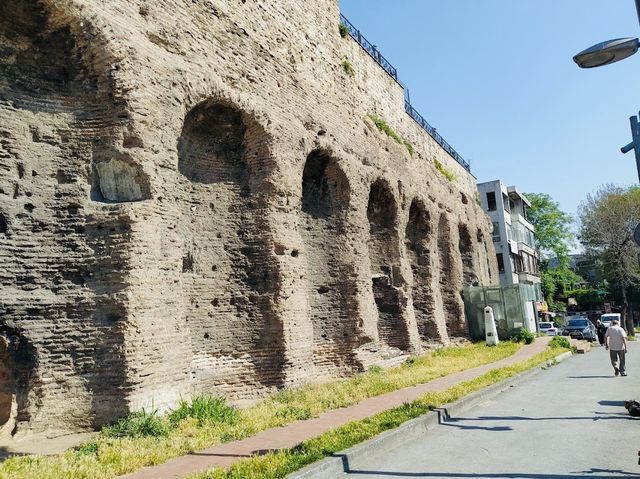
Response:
column 513, row 234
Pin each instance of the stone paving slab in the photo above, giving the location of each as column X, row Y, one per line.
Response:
column 224, row 455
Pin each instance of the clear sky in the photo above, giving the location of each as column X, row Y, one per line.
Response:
column 497, row 79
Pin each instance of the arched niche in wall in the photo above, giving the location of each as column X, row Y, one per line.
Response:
column 330, row 286
column 450, row 281
column 229, row 277
column 384, row 256
column 419, row 241
column 60, row 122
column 18, row 363
column 466, row 248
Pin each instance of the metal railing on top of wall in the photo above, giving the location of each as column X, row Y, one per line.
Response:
column 373, row 51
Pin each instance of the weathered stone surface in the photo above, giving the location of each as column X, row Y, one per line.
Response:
column 192, row 198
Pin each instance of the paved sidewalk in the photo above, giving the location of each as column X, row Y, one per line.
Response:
column 224, row 455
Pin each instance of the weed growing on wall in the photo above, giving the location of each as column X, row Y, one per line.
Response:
column 344, row 31
column 449, row 175
column 348, row 68
column 387, row 130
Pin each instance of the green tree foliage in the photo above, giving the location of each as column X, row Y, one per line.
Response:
column 607, row 220
column 554, row 239
column 553, row 227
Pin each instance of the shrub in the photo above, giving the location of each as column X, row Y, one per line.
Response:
column 525, row 336
column 375, row 369
column 348, row 68
column 410, row 361
column 87, row 449
column 449, row 175
column 560, row 342
column 205, row 408
column 138, row 424
column 344, row 31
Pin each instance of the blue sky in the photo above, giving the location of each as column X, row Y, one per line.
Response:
column 497, row 79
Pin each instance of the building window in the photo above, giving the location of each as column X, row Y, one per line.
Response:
column 491, row 201
column 507, row 203
column 496, row 232
column 509, row 233
column 500, row 263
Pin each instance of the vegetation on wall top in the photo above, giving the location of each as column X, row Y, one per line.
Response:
column 343, row 30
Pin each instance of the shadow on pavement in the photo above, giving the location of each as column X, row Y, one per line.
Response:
column 596, row 417
column 611, row 403
column 590, row 377
column 593, row 473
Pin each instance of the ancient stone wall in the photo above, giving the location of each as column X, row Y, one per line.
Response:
column 194, row 199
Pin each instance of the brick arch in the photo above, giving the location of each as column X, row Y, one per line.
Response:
column 75, row 153
column 419, row 241
column 49, row 70
column 229, row 276
column 450, row 280
column 467, row 254
column 18, row 370
column 332, row 305
column 384, row 257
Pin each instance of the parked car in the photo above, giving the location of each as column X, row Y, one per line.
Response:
column 607, row 318
column 580, row 328
column 548, row 328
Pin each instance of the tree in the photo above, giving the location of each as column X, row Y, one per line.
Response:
column 554, row 239
column 607, row 220
column 552, row 225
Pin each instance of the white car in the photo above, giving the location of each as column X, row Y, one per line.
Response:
column 607, row 318
column 548, row 328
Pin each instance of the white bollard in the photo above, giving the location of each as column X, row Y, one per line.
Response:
column 490, row 331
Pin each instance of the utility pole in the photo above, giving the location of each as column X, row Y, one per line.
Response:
column 635, row 143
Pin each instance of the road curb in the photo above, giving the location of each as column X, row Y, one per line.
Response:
column 358, row 455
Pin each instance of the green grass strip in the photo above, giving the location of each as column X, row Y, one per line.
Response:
column 279, row 464
column 147, row 439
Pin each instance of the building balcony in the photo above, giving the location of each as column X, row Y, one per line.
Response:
column 528, row 277
column 516, row 216
column 525, row 248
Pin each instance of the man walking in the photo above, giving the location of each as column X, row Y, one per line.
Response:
column 615, row 341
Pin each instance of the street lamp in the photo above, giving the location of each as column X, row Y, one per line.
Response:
column 613, row 51
column 607, row 52
column 610, row 51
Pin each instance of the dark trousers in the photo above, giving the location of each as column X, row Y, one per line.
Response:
column 617, row 359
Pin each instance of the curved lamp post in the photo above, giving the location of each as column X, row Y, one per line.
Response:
column 608, row 52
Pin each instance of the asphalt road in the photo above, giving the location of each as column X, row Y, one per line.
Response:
column 566, row 422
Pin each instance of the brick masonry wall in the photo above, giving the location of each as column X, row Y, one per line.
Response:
column 193, row 199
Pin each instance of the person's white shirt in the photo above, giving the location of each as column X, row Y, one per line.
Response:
column 615, row 338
